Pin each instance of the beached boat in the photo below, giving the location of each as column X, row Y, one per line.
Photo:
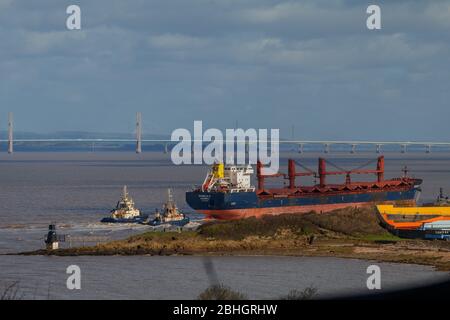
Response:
column 416, row 222
column 227, row 192
column 413, row 211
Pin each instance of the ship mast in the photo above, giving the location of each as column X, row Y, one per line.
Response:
column 169, row 197
column 125, row 193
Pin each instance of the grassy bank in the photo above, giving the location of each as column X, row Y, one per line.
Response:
column 350, row 233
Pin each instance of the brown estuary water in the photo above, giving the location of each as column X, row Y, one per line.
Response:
column 75, row 190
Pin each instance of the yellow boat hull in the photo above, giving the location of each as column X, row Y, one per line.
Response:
column 392, row 210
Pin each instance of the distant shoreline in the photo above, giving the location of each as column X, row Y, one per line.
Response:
column 108, row 147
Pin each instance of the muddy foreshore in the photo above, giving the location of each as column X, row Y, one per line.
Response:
column 347, row 233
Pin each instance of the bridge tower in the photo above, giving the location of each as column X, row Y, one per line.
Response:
column 138, row 132
column 10, row 133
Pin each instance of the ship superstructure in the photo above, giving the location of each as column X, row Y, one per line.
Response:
column 229, row 178
column 170, row 213
column 227, row 192
column 124, row 210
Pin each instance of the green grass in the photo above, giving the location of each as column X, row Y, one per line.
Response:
column 349, row 222
column 361, row 224
column 267, row 226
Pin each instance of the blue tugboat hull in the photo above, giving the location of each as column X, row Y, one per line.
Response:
column 178, row 223
column 132, row 220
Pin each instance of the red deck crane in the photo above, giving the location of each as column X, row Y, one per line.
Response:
column 322, row 173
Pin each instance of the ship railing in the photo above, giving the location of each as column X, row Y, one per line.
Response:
column 235, row 190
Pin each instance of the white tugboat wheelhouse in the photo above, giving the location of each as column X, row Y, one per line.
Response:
column 125, row 207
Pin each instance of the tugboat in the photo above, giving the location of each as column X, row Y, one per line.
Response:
column 125, row 212
column 170, row 214
column 442, row 200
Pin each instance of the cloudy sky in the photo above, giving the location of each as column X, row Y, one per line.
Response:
column 265, row 63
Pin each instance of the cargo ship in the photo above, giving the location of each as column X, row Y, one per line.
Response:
column 227, row 192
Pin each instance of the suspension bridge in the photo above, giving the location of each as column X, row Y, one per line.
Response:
column 167, row 143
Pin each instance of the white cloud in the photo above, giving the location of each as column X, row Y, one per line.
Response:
column 275, row 13
column 267, row 54
column 177, row 41
column 45, row 42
